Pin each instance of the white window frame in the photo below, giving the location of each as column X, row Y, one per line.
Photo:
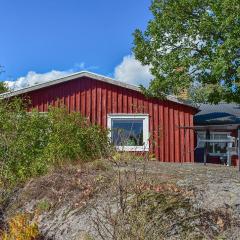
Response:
column 144, row 117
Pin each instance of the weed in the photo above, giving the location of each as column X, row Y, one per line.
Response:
column 43, row 206
column 21, row 228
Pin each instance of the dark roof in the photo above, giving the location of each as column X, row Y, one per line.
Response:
column 222, row 113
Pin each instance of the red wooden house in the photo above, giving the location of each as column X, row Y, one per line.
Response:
column 156, row 123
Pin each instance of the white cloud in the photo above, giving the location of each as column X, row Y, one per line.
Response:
column 132, row 71
column 129, row 70
column 33, row 78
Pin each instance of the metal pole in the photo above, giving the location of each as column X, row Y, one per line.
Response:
column 228, row 155
column 206, row 147
column 205, row 154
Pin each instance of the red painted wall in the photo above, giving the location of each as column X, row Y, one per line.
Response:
column 95, row 99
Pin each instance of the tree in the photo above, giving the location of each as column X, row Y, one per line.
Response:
column 192, row 45
column 3, row 85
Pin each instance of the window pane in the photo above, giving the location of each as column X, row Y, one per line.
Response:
column 220, row 136
column 127, row 132
column 201, row 136
column 210, row 148
column 220, row 147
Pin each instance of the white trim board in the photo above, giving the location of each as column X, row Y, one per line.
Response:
column 145, row 118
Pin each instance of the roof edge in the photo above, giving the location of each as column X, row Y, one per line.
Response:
column 90, row 75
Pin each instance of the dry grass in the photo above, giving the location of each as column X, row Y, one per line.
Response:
column 72, row 185
column 171, row 201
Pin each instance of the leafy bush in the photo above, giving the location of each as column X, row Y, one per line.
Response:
column 22, row 140
column 73, row 138
column 21, row 228
column 31, row 143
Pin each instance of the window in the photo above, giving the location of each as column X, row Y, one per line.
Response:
column 215, row 148
column 218, row 147
column 129, row 132
column 201, row 136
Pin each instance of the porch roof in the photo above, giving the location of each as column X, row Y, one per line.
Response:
column 221, row 114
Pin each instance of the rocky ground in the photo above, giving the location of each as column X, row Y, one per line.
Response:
column 214, row 186
column 184, row 201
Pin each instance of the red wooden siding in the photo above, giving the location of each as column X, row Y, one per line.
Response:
column 95, row 99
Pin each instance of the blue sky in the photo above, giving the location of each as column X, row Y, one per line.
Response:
column 68, row 35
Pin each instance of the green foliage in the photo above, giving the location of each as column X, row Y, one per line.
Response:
column 194, row 45
column 43, row 206
column 21, row 228
column 3, row 87
column 73, row 138
column 32, row 143
column 23, row 138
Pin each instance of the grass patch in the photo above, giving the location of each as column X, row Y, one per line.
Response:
column 43, row 206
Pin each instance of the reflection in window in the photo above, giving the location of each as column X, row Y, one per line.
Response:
column 215, row 147
column 127, row 132
column 218, row 147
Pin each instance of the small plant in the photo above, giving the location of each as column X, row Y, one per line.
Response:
column 86, row 236
column 73, row 138
column 21, row 228
column 100, row 164
column 43, row 206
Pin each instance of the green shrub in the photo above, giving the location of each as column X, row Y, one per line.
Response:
column 31, row 143
column 23, row 137
column 21, row 228
column 72, row 138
